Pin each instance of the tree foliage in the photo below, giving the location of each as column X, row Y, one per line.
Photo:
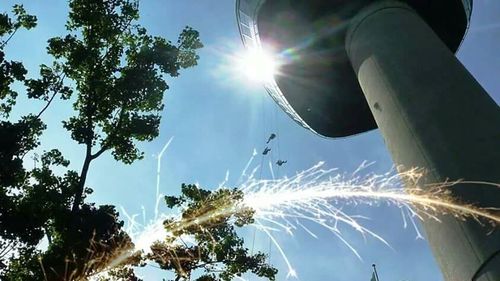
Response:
column 118, row 71
column 17, row 139
column 11, row 71
column 112, row 72
column 209, row 219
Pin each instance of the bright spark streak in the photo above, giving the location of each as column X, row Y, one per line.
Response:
column 291, row 271
column 314, row 194
column 318, row 195
column 158, row 169
column 244, row 172
column 271, row 170
column 226, row 179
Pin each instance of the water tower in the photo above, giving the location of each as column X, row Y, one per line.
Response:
column 350, row 66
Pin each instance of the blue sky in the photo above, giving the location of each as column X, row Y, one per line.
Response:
column 217, row 120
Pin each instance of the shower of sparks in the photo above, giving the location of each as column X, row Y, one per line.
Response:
column 318, row 195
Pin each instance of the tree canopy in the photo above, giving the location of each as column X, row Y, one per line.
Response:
column 209, row 218
column 112, row 72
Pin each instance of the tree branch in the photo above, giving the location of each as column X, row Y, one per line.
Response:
column 61, row 79
column 7, row 249
column 98, row 153
column 47, row 105
column 83, row 178
column 105, row 146
column 88, row 157
column 211, row 263
column 8, row 39
column 49, row 237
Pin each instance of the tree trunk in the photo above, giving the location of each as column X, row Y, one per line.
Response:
column 83, row 178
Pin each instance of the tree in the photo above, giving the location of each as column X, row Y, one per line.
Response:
column 209, row 218
column 113, row 72
column 11, row 71
column 115, row 69
column 17, row 138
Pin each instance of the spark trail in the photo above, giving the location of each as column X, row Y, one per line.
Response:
column 318, row 195
column 158, row 169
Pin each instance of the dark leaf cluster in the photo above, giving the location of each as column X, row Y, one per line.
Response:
column 11, row 71
column 210, row 217
column 118, row 70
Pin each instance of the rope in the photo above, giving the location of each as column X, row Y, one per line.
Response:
column 253, row 241
column 278, row 150
column 263, row 133
column 274, row 145
column 270, row 250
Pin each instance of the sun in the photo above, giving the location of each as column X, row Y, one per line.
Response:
column 258, row 65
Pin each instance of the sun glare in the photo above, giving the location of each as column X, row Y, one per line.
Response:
column 257, row 65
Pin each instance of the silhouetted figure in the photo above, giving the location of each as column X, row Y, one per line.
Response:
column 271, row 137
column 266, row 150
column 280, row 162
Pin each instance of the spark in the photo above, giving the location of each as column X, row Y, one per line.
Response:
column 291, row 270
column 158, row 169
column 244, row 172
column 315, row 194
column 318, row 195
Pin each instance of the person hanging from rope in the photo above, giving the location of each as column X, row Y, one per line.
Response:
column 266, row 151
column 281, row 162
column 271, row 137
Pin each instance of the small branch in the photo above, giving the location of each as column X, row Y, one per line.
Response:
column 98, row 153
column 7, row 249
column 47, row 105
column 105, row 146
column 125, row 26
column 60, row 82
column 8, row 39
column 49, row 237
column 210, row 263
column 182, row 240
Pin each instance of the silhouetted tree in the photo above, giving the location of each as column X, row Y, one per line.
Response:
column 116, row 71
column 16, row 139
column 208, row 218
column 113, row 72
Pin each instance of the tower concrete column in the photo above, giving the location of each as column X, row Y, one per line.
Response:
column 434, row 115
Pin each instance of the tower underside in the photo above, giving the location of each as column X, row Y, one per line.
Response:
column 354, row 65
column 308, row 36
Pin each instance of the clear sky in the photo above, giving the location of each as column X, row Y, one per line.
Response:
column 217, row 120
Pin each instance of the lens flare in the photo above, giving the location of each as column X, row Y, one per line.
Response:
column 257, row 65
